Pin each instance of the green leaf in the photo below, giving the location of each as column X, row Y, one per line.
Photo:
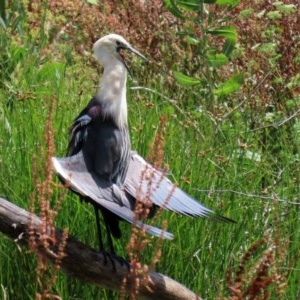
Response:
column 228, row 47
column 228, row 2
column 93, row 2
column 192, row 40
column 186, row 80
column 216, row 60
column 274, row 15
column 231, row 85
column 261, row 14
column 17, row 53
column 288, row 8
column 171, row 6
column 185, row 33
column 228, row 32
column 189, row 5
column 2, row 23
column 285, row 8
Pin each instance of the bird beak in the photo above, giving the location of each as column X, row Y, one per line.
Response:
column 137, row 53
column 131, row 49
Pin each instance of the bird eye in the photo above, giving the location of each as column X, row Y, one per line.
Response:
column 118, row 43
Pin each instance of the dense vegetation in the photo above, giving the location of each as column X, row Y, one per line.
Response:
column 219, row 103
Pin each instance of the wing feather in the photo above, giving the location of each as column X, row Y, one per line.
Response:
column 74, row 172
column 144, row 179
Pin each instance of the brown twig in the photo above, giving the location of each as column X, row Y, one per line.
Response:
column 84, row 263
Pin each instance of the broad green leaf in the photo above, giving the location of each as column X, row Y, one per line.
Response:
column 228, row 47
column 192, row 41
column 228, row 32
column 171, row 6
column 190, row 5
column 186, row 80
column 228, row 2
column 231, row 85
column 216, row 60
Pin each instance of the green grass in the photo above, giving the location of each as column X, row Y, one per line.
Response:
column 203, row 156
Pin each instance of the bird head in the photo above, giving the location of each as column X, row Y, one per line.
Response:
column 110, row 47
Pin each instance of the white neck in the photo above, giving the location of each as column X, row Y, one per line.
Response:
column 112, row 91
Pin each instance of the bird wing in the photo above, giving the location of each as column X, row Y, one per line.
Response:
column 73, row 171
column 149, row 183
column 105, row 146
column 78, row 132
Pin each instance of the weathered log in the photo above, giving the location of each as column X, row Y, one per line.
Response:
column 83, row 262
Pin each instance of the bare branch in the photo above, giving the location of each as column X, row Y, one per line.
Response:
column 84, row 263
column 279, row 123
column 174, row 103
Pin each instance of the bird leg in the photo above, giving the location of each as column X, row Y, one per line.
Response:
column 101, row 246
column 112, row 254
column 110, row 241
column 108, row 233
column 106, row 254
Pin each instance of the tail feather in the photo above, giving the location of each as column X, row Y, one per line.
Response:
column 150, row 183
column 143, row 182
column 72, row 170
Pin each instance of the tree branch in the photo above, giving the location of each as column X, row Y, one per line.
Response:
column 83, row 262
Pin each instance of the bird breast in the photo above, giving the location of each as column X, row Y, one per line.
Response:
column 113, row 92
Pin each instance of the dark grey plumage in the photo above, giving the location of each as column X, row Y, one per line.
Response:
column 105, row 150
column 105, row 145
